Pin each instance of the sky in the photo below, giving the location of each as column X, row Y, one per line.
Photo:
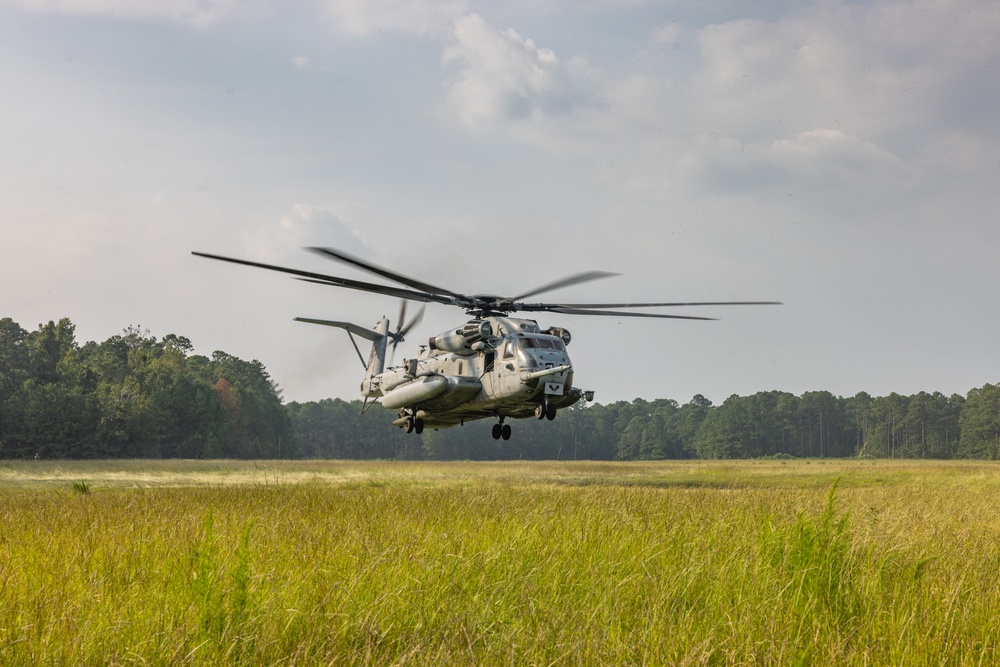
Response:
column 840, row 157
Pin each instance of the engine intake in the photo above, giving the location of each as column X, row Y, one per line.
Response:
column 460, row 341
column 477, row 330
column 561, row 333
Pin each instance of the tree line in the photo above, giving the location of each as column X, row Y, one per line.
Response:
column 132, row 396
column 136, row 396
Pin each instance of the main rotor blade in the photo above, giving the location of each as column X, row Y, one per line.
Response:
column 565, row 282
column 387, row 290
column 322, row 279
column 614, row 313
column 341, row 256
column 544, row 306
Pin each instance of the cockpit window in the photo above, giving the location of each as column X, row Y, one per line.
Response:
column 510, row 349
column 543, row 343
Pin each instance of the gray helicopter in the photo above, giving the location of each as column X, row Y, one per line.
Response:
column 491, row 367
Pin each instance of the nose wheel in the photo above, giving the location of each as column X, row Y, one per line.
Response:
column 501, row 431
column 545, row 410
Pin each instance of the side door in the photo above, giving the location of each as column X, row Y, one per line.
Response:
column 508, row 375
column 488, row 372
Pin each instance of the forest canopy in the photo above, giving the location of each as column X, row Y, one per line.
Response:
column 136, row 396
column 131, row 396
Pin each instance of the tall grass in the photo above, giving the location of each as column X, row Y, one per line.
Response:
column 487, row 564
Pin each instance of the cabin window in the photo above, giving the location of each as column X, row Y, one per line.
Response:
column 509, row 349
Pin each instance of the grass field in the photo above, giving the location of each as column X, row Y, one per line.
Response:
column 777, row 562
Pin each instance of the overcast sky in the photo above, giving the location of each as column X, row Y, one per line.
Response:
column 841, row 157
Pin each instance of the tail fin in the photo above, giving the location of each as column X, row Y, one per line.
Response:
column 378, row 335
column 376, row 358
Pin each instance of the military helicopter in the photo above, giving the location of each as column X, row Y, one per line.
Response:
column 491, row 367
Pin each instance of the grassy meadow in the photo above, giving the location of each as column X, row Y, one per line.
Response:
column 547, row 563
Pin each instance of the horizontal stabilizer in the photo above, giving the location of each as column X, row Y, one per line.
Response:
column 349, row 326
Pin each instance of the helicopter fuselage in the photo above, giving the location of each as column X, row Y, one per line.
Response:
column 493, row 367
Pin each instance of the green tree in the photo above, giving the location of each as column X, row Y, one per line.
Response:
column 889, row 428
column 822, row 423
column 980, row 424
column 13, row 372
column 719, row 434
column 661, row 437
column 931, row 425
column 860, row 414
column 255, row 421
column 689, row 419
column 630, row 441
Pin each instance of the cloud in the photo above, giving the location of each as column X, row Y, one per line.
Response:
column 505, row 76
column 366, row 17
column 304, row 226
column 196, row 12
column 832, row 155
column 816, row 160
column 667, row 34
column 883, row 71
column 878, row 96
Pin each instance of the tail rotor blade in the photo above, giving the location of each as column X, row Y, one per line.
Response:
column 402, row 318
column 412, row 323
column 403, row 326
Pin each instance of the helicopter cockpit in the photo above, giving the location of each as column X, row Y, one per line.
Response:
column 533, row 352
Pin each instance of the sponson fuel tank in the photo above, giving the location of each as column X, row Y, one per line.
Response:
column 442, row 391
column 414, row 393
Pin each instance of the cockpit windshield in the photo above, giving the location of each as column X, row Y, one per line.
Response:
column 521, row 348
column 544, row 343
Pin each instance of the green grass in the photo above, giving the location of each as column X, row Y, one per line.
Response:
column 797, row 562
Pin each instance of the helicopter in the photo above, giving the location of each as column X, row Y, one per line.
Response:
column 493, row 366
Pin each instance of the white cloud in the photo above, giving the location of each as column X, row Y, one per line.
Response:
column 831, row 155
column 366, row 17
column 300, row 62
column 668, row 34
column 875, row 96
column 820, row 160
column 880, row 70
column 505, row 76
column 304, row 226
column 196, row 12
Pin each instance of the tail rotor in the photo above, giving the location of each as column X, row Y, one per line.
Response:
column 398, row 336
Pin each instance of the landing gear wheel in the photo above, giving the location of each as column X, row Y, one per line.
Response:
column 418, row 426
column 540, row 411
column 498, row 431
column 505, row 431
column 550, row 411
column 408, row 425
